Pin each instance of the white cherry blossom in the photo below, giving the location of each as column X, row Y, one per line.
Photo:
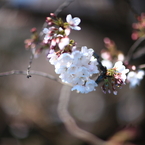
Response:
column 120, row 68
column 73, row 22
column 53, row 58
column 63, row 42
column 46, row 30
column 78, row 81
column 134, row 78
column 83, row 72
column 80, row 89
column 88, row 87
column 76, row 68
column 65, row 59
column 72, row 69
column 60, row 69
column 107, row 63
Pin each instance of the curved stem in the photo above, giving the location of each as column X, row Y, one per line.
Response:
column 136, row 14
column 62, row 6
column 70, row 123
column 133, row 48
column 32, row 72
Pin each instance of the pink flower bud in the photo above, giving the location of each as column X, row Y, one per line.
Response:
column 33, row 30
column 52, row 15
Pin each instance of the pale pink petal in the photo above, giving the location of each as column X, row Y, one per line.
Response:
column 76, row 27
column 63, row 42
column 67, row 31
column 69, row 18
column 76, row 21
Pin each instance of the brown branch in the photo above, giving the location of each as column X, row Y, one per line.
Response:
column 64, row 115
column 29, row 66
column 63, row 6
column 133, row 48
column 70, row 123
column 32, row 72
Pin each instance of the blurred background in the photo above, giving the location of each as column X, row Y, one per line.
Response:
column 28, row 107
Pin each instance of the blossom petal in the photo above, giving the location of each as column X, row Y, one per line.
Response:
column 69, row 18
column 76, row 27
column 107, row 63
column 140, row 74
column 63, row 42
column 80, row 89
column 76, row 21
column 45, row 30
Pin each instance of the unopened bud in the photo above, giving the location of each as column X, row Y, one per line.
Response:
column 133, row 67
column 52, row 15
column 33, row 30
column 48, row 19
column 50, row 23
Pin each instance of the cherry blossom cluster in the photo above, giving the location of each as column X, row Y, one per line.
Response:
column 78, row 67
column 115, row 77
column 111, row 54
column 54, row 36
column 75, row 67
column 118, row 75
column 134, row 77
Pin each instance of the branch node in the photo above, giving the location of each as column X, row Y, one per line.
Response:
column 29, row 66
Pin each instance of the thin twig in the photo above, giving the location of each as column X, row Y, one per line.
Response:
column 139, row 53
column 29, row 66
column 133, row 48
column 63, row 6
column 136, row 14
column 141, row 66
column 32, row 72
column 57, row 11
column 70, row 123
